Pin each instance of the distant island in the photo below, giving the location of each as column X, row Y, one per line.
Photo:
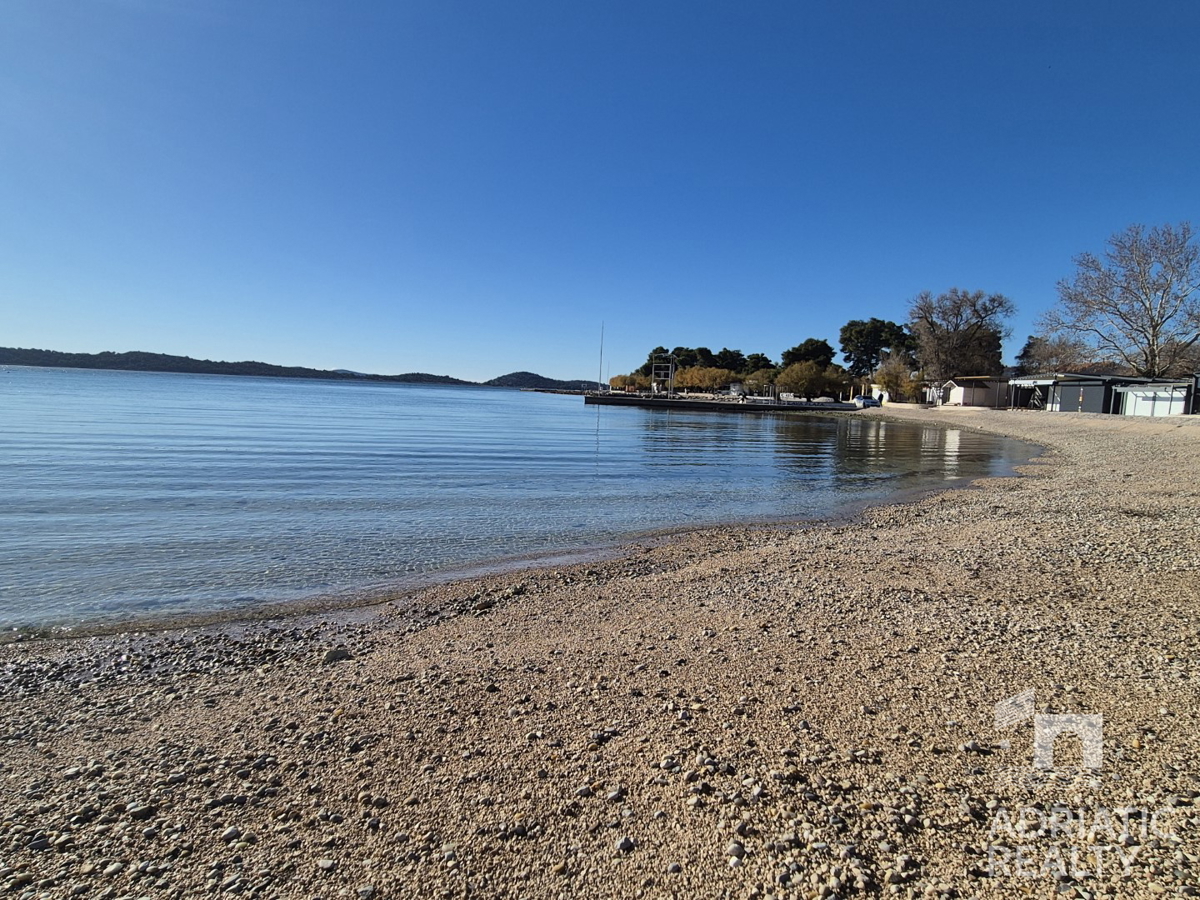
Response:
column 530, row 381
column 138, row 361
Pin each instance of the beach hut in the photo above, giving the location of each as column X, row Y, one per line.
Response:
column 1174, row 398
column 974, row 390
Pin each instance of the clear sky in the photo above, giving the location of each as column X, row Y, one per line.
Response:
column 471, row 188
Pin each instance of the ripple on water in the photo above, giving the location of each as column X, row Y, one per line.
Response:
column 153, row 494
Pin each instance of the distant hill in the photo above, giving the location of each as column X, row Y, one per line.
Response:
column 161, row 362
column 533, row 380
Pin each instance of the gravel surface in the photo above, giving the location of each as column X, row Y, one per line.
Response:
column 801, row 711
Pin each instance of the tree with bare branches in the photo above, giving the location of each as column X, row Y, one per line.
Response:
column 1060, row 353
column 1140, row 304
column 959, row 332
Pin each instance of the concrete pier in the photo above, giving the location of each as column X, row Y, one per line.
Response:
column 649, row 401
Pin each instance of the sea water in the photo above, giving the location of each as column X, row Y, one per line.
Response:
column 133, row 495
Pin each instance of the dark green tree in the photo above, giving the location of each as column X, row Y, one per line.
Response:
column 648, row 365
column 706, row 359
column 733, row 360
column 812, row 350
column 866, row 343
column 756, row 362
column 685, row 357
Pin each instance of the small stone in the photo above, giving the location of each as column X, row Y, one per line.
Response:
column 625, row 845
column 366, row 891
column 674, row 868
column 338, row 654
column 735, row 850
column 326, row 865
column 113, row 869
column 230, row 834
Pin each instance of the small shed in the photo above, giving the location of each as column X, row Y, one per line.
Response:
column 974, row 390
column 1158, row 399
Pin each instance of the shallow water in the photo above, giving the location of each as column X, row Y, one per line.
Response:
column 130, row 494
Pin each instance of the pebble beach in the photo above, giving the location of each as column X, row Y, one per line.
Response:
column 803, row 710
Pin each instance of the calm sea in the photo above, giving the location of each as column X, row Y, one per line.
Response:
column 128, row 494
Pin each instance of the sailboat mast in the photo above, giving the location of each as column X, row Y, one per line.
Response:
column 600, row 373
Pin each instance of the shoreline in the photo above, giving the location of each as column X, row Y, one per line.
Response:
column 352, row 601
column 741, row 712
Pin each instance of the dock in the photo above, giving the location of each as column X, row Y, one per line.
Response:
column 750, row 405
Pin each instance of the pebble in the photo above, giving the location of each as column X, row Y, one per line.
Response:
column 834, row 806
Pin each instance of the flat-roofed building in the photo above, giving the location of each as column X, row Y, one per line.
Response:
column 1113, row 394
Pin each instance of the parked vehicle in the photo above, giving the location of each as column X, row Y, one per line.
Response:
column 866, row 402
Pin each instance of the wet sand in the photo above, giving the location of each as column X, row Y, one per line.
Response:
column 788, row 711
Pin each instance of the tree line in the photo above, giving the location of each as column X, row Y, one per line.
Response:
column 956, row 330
column 1135, row 310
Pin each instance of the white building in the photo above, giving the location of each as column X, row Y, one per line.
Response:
column 1174, row 399
column 973, row 390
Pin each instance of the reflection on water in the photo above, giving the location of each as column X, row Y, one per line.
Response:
column 844, row 452
column 147, row 493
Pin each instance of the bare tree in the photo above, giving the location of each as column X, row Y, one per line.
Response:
column 1140, row 305
column 1052, row 354
column 959, row 332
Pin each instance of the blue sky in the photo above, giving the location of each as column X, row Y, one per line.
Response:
column 472, row 188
